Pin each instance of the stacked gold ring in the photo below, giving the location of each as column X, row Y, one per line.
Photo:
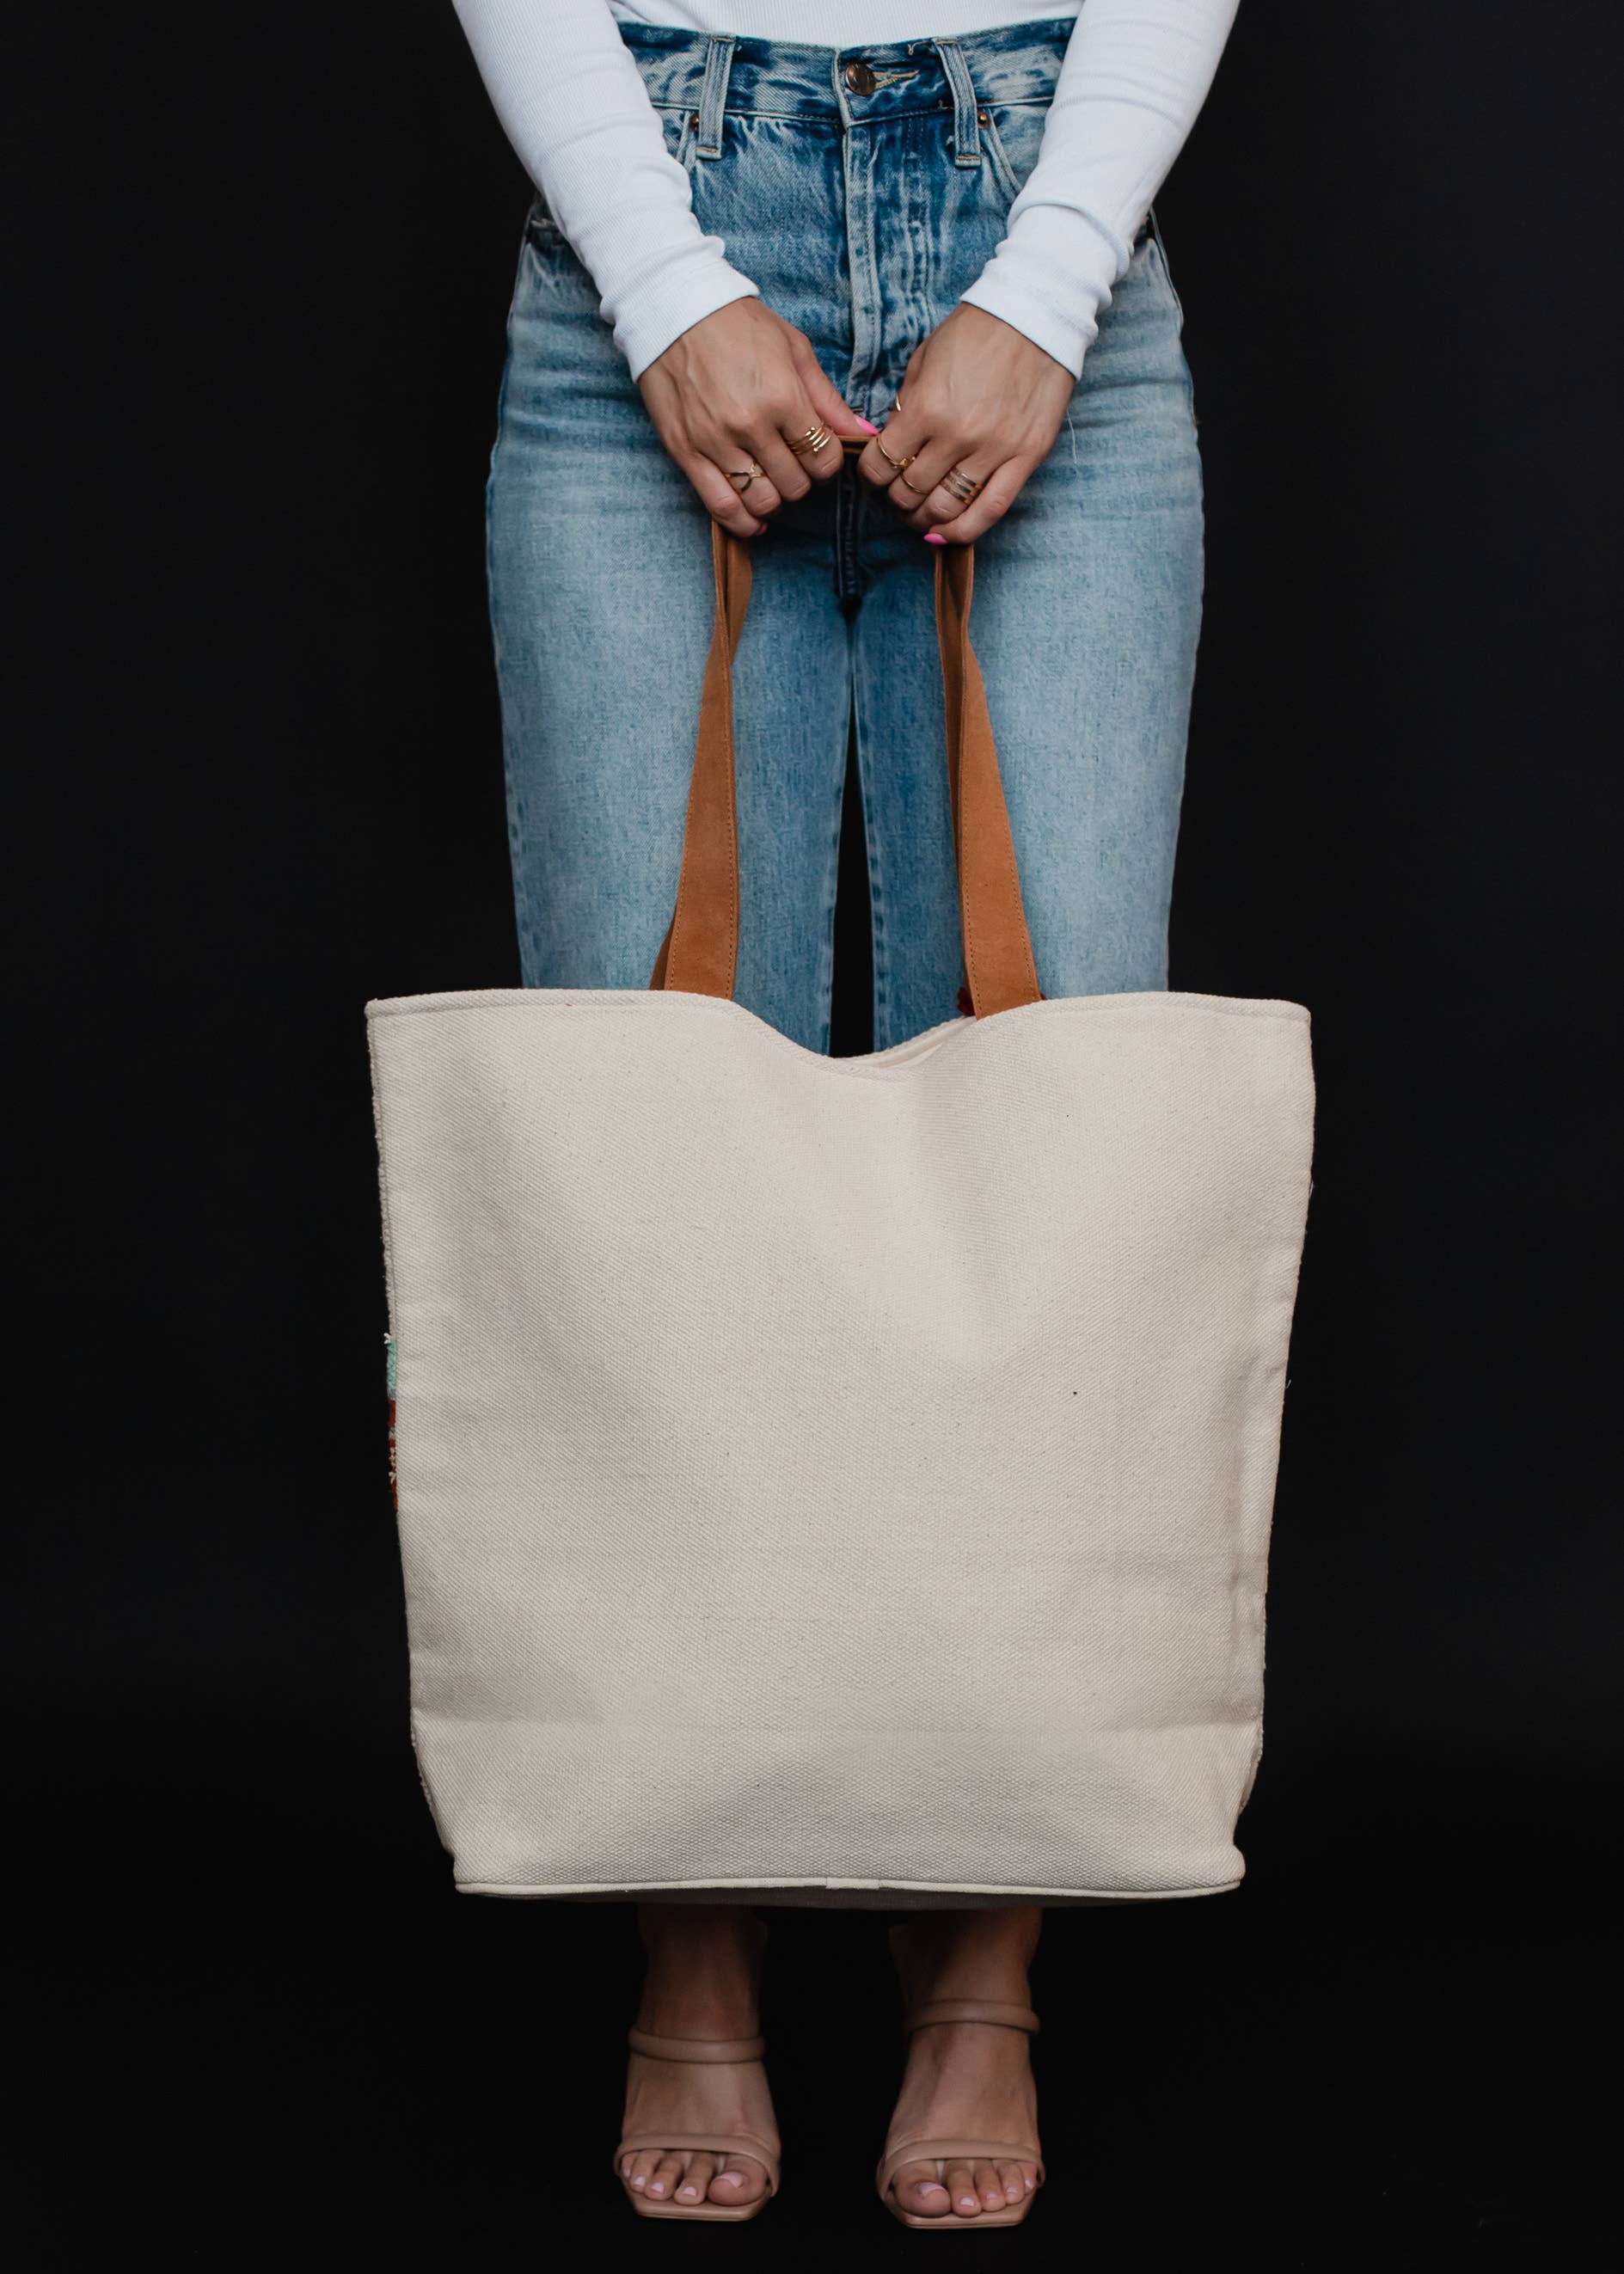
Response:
column 959, row 484
column 809, row 445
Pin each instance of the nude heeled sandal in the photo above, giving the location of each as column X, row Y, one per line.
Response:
column 722, row 2143
column 998, row 2014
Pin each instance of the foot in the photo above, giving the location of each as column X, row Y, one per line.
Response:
column 965, row 2080
column 702, row 1981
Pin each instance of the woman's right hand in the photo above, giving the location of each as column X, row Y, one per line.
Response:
column 735, row 389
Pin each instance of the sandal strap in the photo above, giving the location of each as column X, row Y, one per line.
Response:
column 694, row 2049
column 953, row 2151
column 714, row 2143
column 995, row 2010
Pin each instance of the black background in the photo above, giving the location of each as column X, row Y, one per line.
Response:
column 263, row 262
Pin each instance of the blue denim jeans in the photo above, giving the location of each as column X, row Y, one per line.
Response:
column 862, row 218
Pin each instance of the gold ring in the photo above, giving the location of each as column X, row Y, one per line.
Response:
column 914, row 486
column 961, row 486
column 745, row 475
column 809, row 445
column 899, row 466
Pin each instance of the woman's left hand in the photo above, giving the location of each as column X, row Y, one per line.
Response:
column 979, row 396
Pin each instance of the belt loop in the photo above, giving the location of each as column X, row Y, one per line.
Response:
column 966, row 134
column 713, row 97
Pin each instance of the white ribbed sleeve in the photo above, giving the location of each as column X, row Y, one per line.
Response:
column 1135, row 75
column 572, row 103
column 569, row 94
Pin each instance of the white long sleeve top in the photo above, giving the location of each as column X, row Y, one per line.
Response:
column 569, row 96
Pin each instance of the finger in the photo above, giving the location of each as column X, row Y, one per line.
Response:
column 903, row 436
column 791, row 475
column 946, row 501
column 798, row 430
column 912, row 495
column 826, row 405
column 761, row 494
column 818, row 465
column 752, row 438
column 720, row 498
column 1003, row 485
column 904, row 426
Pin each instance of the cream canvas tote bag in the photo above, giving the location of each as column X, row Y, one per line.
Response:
column 839, row 1480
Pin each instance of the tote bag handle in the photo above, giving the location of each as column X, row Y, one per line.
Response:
column 699, row 954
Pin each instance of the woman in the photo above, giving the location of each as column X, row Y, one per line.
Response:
column 927, row 233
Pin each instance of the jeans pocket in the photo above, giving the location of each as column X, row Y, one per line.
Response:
column 678, row 126
column 1011, row 136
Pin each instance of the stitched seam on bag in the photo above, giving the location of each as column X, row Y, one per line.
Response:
column 614, row 998
column 911, row 1886
column 413, row 1706
column 598, row 999
column 871, row 1067
column 390, row 1292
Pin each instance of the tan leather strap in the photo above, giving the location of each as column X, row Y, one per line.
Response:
column 694, row 2049
column 996, row 2010
column 699, row 954
column 699, row 950
column 997, row 947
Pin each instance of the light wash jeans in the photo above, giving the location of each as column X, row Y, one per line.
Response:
column 862, row 218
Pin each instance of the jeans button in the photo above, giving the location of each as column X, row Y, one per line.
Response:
column 860, row 78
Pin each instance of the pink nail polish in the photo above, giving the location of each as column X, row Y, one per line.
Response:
column 867, row 425
column 934, row 537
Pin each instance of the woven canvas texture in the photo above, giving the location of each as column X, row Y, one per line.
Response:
column 849, row 1475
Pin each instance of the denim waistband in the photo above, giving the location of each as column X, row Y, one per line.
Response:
column 848, row 87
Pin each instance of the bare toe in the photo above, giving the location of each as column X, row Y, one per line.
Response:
column 1012, row 2182
column 741, row 2180
column 917, row 2188
column 960, row 2182
column 697, row 2179
column 667, row 2172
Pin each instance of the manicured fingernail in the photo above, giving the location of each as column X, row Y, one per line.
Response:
column 867, row 425
column 933, row 538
